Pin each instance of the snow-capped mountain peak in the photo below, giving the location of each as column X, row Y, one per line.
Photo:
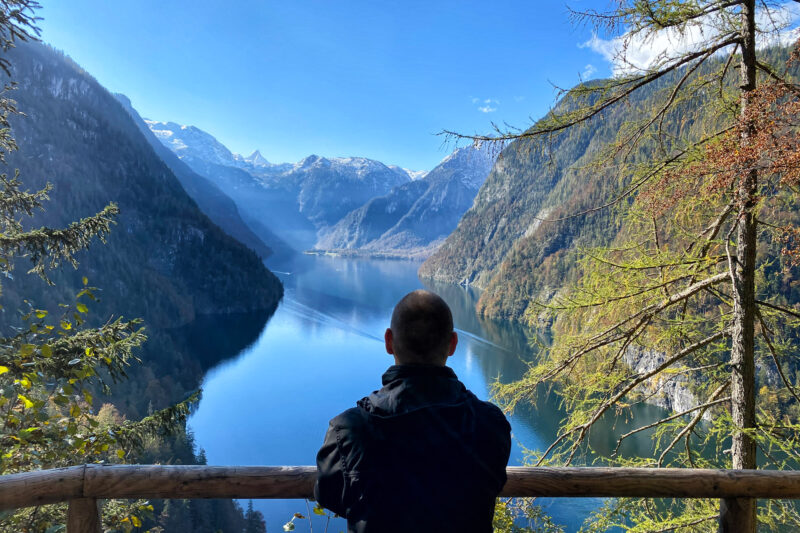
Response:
column 191, row 142
column 257, row 160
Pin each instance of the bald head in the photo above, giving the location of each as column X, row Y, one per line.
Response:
column 421, row 331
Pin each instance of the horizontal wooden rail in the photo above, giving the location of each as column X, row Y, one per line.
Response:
column 157, row 481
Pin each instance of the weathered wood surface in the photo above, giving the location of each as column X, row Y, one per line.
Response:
column 737, row 515
column 156, row 481
column 651, row 482
column 83, row 516
column 135, row 481
column 41, row 487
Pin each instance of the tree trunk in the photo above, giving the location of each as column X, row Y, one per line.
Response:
column 743, row 447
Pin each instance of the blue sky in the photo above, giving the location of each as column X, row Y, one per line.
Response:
column 334, row 78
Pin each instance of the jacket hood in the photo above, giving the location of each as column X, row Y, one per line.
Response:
column 407, row 388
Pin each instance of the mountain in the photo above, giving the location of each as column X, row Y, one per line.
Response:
column 165, row 260
column 296, row 201
column 212, row 201
column 502, row 245
column 413, row 175
column 415, row 217
column 257, row 160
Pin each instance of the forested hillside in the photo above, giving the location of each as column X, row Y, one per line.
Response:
column 539, row 205
column 210, row 199
column 164, row 261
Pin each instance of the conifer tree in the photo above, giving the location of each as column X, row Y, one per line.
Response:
column 708, row 239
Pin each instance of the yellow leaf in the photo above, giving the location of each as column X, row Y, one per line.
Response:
column 25, row 382
column 121, row 454
column 65, row 324
column 82, row 308
column 85, row 280
column 47, row 350
column 41, row 313
column 75, row 411
column 25, row 401
column 135, row 521
column 3, row 370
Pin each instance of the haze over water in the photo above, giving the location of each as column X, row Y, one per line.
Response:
column 323, row 350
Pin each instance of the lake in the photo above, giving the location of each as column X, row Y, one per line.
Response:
column 323, row 350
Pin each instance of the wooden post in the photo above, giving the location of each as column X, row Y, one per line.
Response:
column 736, row 515
column 84, row 516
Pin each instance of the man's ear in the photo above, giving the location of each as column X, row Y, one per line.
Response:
column 388, row 338
column 453, row 344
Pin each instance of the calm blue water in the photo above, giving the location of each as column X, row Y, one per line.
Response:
column 323, row 350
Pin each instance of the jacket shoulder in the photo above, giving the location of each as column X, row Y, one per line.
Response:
column 490, row 411
column 352, row 419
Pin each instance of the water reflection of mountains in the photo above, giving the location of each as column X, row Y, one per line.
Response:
column 175, row 360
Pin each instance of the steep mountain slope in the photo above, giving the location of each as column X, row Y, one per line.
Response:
column 502, row 244
column 293, row 200
column 165, row 260
column 414, row 218
column 211, row 200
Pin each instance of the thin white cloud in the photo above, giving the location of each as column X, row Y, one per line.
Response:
column 631, row 53
column 588, row 71
column 489, row 104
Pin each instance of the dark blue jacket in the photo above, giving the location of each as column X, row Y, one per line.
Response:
column 421, row 454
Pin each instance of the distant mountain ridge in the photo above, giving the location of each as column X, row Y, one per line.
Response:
column 415, row 217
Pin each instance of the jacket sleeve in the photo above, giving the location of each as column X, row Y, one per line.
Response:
column 329, row 489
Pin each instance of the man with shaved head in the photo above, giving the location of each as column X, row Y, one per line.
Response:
column 422, row 453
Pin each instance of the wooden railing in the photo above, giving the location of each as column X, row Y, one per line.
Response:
column 82, row 486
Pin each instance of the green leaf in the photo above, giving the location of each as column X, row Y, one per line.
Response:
column 318, row 510
column 46, row 350
column 121, row 454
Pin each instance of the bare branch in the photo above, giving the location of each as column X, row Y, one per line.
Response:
column 668, row 419
column 765, row 334
column 633, row 85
